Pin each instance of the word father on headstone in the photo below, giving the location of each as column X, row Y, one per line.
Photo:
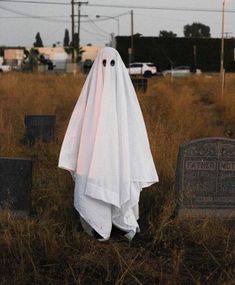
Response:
column 205, row 178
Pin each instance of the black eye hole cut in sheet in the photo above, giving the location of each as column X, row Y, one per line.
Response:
column 112, row 62
column 104, row 62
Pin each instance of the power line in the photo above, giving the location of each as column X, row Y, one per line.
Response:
column 185, row 9
column 94, row 33
column 108, row 18
column 17, row 12
column 36, row 2
column 52, row 33
column 24, row 15
column 50, row 18
column 31, row 17
column 97, row 27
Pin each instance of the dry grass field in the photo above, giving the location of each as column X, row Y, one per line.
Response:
column 50, row 247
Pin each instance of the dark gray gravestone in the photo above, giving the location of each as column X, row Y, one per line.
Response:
column 39, row 127
column 205, row 178
column 140, row 84
column 15, row 184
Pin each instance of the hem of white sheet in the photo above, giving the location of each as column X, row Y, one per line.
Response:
column 130, row 233
column 66, row 168
column 146, row 183
column 92, row 225
column 71, row 171
column 102, row 194
column 88, row 228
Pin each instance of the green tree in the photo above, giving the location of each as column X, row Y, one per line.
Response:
column 66, row 38
column 31, row 59
column 38, row 42
column 197, row 30
column 167, row 34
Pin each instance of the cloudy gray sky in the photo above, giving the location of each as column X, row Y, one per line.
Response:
column 19, row 23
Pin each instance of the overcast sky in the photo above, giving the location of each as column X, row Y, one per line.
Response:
column 17, row 28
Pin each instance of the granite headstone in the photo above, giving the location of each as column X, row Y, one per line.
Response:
column 15, row 184
column 39, row 127
column 205, row 178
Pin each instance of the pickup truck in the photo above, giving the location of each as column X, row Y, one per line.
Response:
column 5, row 68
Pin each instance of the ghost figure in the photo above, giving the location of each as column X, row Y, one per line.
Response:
column 106, row 149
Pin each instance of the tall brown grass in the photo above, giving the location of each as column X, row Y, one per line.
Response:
column 49, row 247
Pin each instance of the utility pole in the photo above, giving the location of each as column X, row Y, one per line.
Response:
column 72, row 29
column 79, row 23
column 222, row 41
column 195, row 57
column 132, row 36
column 222, row 72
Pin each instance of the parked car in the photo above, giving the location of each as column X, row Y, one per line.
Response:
column 147, row 69
column 5, row 68
column 181, row 71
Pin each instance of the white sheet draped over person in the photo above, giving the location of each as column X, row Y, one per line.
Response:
column 106, row 149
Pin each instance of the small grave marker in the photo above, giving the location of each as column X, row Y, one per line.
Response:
column 140, row 84
column 205, row 178
column 15, row 184
column 39, row 127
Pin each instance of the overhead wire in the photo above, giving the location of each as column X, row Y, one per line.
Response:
column 49, row 36
column 53, row 18
column 100, row 31
column 24, row 15
column 105, row 18
column 31, row 17
column 48, row 17
column 36, row 2
column 97, row 27
column 185, row 9
column 45, row 18
column 93, row 33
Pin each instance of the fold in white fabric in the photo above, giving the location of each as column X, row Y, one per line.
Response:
column 106, row 149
